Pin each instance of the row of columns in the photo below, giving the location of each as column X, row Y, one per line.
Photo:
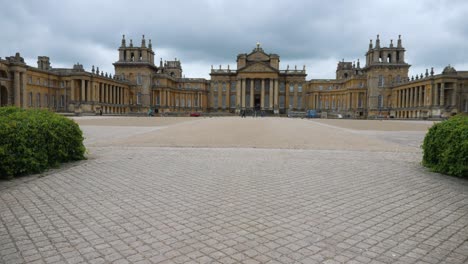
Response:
column 106, row 93
column 411, row 97
column 342, row 101
column 168, row 99
column 241, row 92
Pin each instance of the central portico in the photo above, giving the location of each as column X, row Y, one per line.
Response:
column 257, row 84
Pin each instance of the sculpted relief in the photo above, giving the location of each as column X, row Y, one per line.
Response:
column 258, row 67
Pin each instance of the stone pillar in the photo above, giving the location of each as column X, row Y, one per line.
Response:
column 276, row 98
column 416, row 96
column 262, row 95
column 421, row 99
column 442, row 94
column 252, row 92
column 72, row 90
column 243, row 93
column 17, row 89
column 83, row 91
column 270, row 96
column 238, row 95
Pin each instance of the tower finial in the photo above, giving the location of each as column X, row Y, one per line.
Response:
column 143, row 42
column 131, row 43
column 150, row 45
column 399, row 41
column 370, row 45
column 123, row 41
column 258, row 45
column 391, row 43
column 377, row 41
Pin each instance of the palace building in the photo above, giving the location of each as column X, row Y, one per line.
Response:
column 380, row 88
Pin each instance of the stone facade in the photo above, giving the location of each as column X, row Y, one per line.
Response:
column 257, row 84
column 382, row 88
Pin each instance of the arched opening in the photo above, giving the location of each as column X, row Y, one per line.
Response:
column 3, row 96
column 389, row 58
column 346, row 75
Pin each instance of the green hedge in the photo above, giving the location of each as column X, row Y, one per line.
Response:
column 32, row 141
column 446, row 147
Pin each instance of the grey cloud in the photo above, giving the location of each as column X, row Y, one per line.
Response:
column 214, row 32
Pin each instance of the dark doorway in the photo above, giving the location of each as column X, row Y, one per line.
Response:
column 257, row 102
column 3, row 96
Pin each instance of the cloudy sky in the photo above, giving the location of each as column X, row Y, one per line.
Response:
column 212, row 32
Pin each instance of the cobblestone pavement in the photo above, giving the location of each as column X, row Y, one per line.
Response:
column 129, row 204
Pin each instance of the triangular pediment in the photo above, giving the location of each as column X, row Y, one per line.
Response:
column 258, row 56
column 258, row 67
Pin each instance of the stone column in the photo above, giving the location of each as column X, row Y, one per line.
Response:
column 270, row 96
column 262, row 95
column 421, row 99
column 252, row 92
column 243, row 93
column 442, row 94
column 416, row 96
column 238, row 94
column 276, row 98
column 83, row 91
column 17, row 89
column 24, row 81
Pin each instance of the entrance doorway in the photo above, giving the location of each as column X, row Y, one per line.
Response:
column 257, row 102
column 3, row 96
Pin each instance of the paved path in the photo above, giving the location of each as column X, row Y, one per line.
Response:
column 208, row 199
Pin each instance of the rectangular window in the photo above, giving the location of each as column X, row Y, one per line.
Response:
column 291, row 88
column 299, row 102
column 380, row 101
column 139, row 79
column 189, row 103
column 267, row 100
column 62, row 101
column 158, row 100
column 224, row 86
column 30, row 99
column 233, row 101
column 29, row 80
column 38, row 100
column 46, row 100
column 299, row 88
column 182, row 102
column 282, row 87
column 233, row 86
column 215, row 101
column 281, row 101
column 215, row 87
column 291, row 101
column 381, row 81
column 320, row 87
column 223, row 101
column 138, row 98
column 53, row 101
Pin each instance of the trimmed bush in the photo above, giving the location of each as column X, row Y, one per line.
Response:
column 446, row 147
column 32, row 141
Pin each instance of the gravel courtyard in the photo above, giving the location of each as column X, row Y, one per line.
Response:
column 234, row 190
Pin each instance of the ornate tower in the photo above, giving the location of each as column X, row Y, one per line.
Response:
column 136, row 64
column 385, row 67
